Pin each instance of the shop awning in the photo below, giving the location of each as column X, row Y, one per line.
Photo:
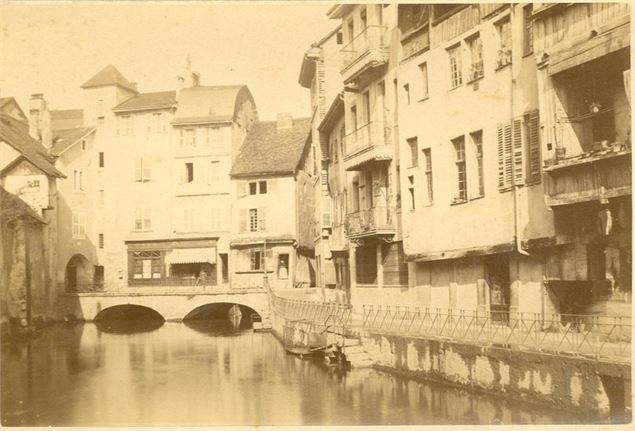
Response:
column 191, row 255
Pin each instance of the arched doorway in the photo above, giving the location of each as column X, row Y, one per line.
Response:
column 78, row 273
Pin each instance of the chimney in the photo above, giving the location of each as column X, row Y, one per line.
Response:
column 40, row 120
column 284, row 121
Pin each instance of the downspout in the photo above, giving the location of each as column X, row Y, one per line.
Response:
column 516, row 187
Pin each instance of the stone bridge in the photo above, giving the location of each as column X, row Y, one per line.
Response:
column 172, row 305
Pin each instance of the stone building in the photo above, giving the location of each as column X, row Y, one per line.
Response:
column 24, row 293
column 27, row 172
column 272, row 206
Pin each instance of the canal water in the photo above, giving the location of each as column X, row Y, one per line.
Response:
column 210, row 373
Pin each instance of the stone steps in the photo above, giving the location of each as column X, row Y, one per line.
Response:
column 355, row 354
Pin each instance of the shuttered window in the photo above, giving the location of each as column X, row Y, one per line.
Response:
column 519, row 156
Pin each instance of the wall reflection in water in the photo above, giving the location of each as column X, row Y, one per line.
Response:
column 208, row 372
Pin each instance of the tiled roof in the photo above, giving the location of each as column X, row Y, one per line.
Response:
column 143, row 101
column 271, row 151
column 16, row 134
column 65, row 138
column 5, row 103
column 206, row 104
column 66, row 118
column 109, row 75
column 13, row 208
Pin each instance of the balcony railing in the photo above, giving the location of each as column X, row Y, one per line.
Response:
column 172, row 281
column 590, row 176
column 371, row 221
column 607, row 337
column 368, row 142
column 367, row 49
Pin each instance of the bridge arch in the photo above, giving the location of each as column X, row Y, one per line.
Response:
column 78, row 273
column 128, row 312
column 219, row 309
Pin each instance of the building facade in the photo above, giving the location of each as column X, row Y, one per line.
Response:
column 272, row 207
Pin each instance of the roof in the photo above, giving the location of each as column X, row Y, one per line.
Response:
column 109, row 75
column 63, row 139
column 334, row 113
column 210, row 104
column 269, row 151
column 146, row 101
column 66, row 118
column 6, row 101
column 16, row 134
column 13, row 208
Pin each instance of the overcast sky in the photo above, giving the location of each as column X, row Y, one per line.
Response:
column 54, row 48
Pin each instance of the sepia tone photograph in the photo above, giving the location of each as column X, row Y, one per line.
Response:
column 286, row 213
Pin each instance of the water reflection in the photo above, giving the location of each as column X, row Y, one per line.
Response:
column 212, row 373
column 128, row 326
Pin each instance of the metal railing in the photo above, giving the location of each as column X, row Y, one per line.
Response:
column 173, row 281
column 370, row 39
column 317, row 313
column 607, row 337
column 369, row 219
column 85, row 288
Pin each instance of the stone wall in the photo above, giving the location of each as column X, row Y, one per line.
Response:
column 591, row 387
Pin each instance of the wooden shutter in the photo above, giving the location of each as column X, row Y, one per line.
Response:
column 242, row 220
column 262, row 223
column 533, row 147
column 505, row 169
column 517, row 161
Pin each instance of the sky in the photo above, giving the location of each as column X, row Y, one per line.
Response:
column 53, row 48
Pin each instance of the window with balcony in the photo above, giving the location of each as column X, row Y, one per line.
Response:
column 355, row 196
column 414, row 151
column 414, row 27
column 427, row 155
column 475, row 47
column 423, row 73
column 504, row 53
column 365, row 102
column 477, row 144
column 454, row 55
column 460, row 170
column 353, row 118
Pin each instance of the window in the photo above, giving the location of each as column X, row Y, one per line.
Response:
column 459, row 150
column 414, row 152
column 504, row 55
column 146, row 264
column 427, row 155
column 126, row 125
column 189, row 172
column 454, row 54
column 338, row 37
column 365, row 107
column 283, row 266
column 475, row 46
column 253, row 220
column 257, row 260
column 102, row 198
column 79, row 226
column 528, row 33
column 519, row 156
column 253, row 188
column 101, row 159
column 406, row 90
column 142, row 220
column 100, row 240
column 423, row 70
column 143, row 169
column 156, row 122
column 83, row 145
column 353, row 118
column 188, row 138
column 78, row 180
column 355, row 196
column 364, row 18
column 214, row 172
column 214, row 135
column 350, row 29
column 262, row 185
column 477, row 142
column 411, row 191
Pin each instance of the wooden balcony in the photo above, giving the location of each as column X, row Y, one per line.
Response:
column 588, row 177
column 370, row 222
column 365, row 52
column 370, row 142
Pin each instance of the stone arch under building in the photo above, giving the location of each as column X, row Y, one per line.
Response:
column 78, row 273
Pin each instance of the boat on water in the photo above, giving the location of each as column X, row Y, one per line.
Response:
column 300, row 338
